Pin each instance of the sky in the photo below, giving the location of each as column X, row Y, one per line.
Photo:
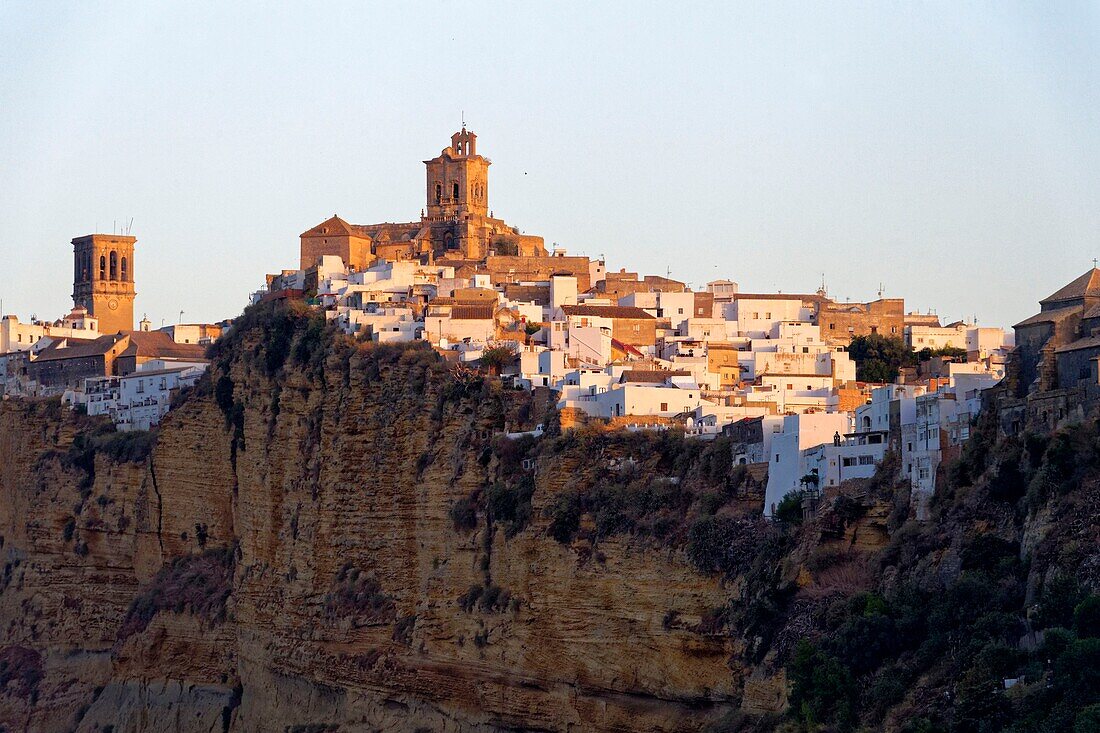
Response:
column 948, row 153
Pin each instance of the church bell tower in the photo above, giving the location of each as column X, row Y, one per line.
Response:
column 103, row 279
column 458, row 181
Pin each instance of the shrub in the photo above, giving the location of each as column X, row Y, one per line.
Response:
column 196, row 584
column 1088, row 720
column 990, row 553
column 709, row 541
column 565, row 516
column 21, row 668
column 1086, row 617
column 355, row 594
column 223, row 394
column 511, row 502
column 823, row 692
column 464, row 514
column 402, row 630
column 1058, row 602
column 468, row 600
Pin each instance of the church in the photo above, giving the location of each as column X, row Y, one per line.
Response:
column 455, row 224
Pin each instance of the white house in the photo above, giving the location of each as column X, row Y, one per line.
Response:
column 789, row 462
column 139, row 400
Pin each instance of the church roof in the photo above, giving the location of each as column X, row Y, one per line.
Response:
column 1089, row 342
column 1088, row 285
column 159, row 345
column 1049, row 316
column 74, row 348
column 334, row 225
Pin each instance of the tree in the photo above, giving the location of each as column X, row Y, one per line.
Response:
column 878, row 358
column 823, row 691
column 495, row 358
column 789, row 510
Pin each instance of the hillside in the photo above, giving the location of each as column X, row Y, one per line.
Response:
column 327, row 535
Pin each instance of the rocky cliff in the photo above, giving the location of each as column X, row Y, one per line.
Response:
column 309, row 543
column 332, row 536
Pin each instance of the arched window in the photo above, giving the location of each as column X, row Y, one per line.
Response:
column 114, row 265
column 102, row 267
column 456, row 191
column 124, row 273
column 439, row 193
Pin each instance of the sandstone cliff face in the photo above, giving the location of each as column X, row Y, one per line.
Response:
column 331, row 481
column 328, row 536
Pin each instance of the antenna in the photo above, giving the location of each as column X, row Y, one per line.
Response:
column 880, row 289
column 181, row 316
column 463, row 119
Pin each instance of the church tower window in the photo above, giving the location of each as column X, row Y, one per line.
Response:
column 456, row 191
column 124, row 278
column 102, row 267
column 114, row 265
column 439, row 193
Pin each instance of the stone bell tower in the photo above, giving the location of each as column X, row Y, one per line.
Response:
column 103, row 279
column 458, row 181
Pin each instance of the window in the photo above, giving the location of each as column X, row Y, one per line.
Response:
column 680, row 311
column 439, row 193
column 102, row 267
column 114, row 265
column 832, row 326
column 124, row 269
column 866, row 460
column 664, row 407
column 768, row 316
column 777, row 458
column 455, row 191
column 846, row 462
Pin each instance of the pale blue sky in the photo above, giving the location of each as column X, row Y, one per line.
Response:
column 949, row 152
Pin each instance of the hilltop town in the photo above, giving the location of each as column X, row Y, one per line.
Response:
column 437, row 476
column 813, row 392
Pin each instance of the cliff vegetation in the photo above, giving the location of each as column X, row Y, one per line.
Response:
column 333, row 535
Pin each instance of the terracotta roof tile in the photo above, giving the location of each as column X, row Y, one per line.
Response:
column 606, row 311
column 650, row 376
